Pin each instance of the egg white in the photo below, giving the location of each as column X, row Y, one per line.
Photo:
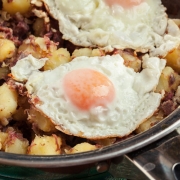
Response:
column 133, row 103
column 90, row 23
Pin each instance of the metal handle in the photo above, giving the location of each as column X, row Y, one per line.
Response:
column 160, row 160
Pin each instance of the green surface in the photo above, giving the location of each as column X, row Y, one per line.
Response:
column 125, row 170
column 10, row 172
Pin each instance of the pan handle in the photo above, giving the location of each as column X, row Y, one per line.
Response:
column 160, row 160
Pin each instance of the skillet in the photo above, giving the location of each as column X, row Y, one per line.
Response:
column 130, row 148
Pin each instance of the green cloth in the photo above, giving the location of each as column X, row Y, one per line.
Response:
column 12, row 172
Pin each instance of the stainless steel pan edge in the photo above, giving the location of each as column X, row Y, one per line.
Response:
column 134, row 143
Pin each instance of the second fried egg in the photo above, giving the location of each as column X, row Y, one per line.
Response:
column 141, row 25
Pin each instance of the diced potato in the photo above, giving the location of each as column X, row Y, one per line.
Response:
column 13, row 142
column 169, row 80
column 136, row 65
column 82, row 52
column 3, row 137
column 45, row 145
column 37, row 47
column 42, row 122
column 16, row 145
column 41, row 42
column 83, row 147
column 173, row 59
column 97, row 52
column 8, row 102
column 87, row 52
column 59, row 57
column 7, row 49
column 130, row 60
column 148, row 123
column 15, row 6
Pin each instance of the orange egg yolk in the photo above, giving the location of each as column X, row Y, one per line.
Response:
column 124, row 3
column 87, row 88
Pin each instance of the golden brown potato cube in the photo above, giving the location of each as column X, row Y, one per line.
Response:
column 16, row 145
column 40, row 121
column 15, row 6
column 82, row 52
column 7, row 49
column 3, row 137
column 149, row 123
column 169, row 80
column 39, row 47
column 97, row 52
column 87, row 52
column 59, row 57
column 14, row 142
column 130, row 60
column 173, row 59
column 136, row 65
column 8, row 102
column 45, row 145
column 82, row 147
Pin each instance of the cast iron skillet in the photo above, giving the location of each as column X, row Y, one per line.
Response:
column 131, row 145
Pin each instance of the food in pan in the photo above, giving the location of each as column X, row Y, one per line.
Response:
column 80, row 76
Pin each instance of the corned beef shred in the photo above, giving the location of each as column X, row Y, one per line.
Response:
column 168, row 107
column 21, row 30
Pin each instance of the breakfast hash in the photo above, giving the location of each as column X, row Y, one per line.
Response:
column 78, row 76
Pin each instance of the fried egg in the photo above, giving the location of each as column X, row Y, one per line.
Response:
column 93, row 97
column 141, row 25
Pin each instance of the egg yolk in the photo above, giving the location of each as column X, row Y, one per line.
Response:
column 88, row 88
column 124, row 3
